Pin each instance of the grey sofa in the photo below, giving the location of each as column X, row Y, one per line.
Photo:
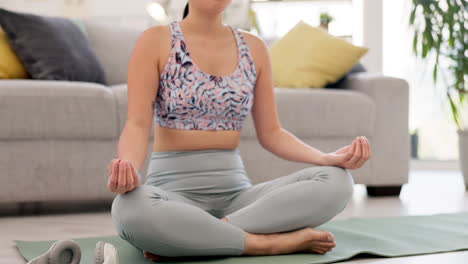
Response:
column 57, row 137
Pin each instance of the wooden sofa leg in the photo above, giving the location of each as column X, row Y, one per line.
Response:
column 384, row 190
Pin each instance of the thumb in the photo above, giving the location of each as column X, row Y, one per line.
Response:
column 343, row 149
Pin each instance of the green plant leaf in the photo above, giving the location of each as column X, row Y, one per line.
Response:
column 412, row 16
column 415, row 42
column 439, row 28
column 454, row 111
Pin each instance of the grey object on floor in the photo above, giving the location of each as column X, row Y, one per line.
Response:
column 105, row 253
column 61, row 252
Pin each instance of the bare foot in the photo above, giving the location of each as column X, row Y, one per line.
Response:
column 303, row 240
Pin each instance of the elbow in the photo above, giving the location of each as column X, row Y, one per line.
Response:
column 269, row 137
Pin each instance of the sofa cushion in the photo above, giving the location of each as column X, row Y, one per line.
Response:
column 120, row 93
column 51, row 48
column 44, row 109
column 113, row 46
column 324, row 113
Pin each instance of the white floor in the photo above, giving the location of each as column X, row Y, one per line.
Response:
column 428, row 192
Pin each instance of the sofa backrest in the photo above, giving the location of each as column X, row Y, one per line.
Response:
column 113, row 46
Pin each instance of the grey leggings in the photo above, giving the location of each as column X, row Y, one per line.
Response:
column 177, row 211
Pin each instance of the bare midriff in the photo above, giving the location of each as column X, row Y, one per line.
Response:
column 170, row 139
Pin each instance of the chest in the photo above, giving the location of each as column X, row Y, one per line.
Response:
column 187, row 91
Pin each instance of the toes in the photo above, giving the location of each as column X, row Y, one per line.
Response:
column 327, row 236
column 324, row 236
column 320, row 251
column 320, row 235
column 322, row 248
column 325, row 244
column 325, row 248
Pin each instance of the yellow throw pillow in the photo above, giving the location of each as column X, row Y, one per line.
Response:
column 10, row 65
column 309, row 57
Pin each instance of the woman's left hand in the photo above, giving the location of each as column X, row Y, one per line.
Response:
column 351, row 156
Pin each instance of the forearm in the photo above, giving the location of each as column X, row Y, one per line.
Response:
column 133, row 144
column 285, row 145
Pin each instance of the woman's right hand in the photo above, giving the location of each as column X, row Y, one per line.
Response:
column 122, row 176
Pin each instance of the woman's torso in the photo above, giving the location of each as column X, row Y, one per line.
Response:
column 219, row 59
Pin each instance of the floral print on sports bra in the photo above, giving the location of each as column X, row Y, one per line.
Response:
column 189, row 98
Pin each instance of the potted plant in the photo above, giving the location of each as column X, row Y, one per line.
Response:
column 414, row 139
column 325, row 19
column 439, row 32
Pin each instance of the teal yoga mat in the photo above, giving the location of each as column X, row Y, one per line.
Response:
column 385, row 237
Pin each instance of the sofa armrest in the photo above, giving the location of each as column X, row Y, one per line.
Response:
column 390, row 143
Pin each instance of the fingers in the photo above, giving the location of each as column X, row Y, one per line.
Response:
column 122, row 176
column 356, row 155
column 113, row 176
column 369, row 148
column 130, row 178
column 357, row 152
column 364, row 155
column 363, row 158
column 365, row 152
column 350, row 152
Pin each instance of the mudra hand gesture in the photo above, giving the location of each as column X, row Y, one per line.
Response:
column 123, row 176
column 352, row 156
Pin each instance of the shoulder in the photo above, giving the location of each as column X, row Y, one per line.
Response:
column 257, row 47
column 255, row 43
column 155, row 34
column 154, row 40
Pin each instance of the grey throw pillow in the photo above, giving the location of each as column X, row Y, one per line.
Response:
column 51, row 48
column 358, row 67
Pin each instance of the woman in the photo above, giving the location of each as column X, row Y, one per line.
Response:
column 197, row 79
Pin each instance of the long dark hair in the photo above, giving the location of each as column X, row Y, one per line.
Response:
column 186, row 9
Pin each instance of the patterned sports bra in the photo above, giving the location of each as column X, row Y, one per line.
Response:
column 189, row 98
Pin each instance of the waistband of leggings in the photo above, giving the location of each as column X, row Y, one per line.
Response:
column 178, row 153
column 183, row 161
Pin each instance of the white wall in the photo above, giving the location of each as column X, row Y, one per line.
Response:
column 128, row 12
column 78, row 7
column 369, row 32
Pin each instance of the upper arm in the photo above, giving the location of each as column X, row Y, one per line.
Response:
column 264, row 113
column 143, row 77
